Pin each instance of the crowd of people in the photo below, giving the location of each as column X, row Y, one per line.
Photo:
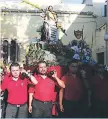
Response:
column 80, row 93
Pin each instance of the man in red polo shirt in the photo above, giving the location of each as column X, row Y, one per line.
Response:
column 69, row 98
column 31, row 92
column 44, row 91
column 17, row 92
column 100, row 93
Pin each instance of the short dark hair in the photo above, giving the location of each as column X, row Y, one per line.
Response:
column 41, row 62
column 73, row 61
column 14, row 64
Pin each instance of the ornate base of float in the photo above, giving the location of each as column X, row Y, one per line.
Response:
column 53, row 54
column 57, row 53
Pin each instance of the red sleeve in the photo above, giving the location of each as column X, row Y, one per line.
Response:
column 5, row 83
column 31, row 89
column 63, row 79
column 56, row 83
column 28, row 81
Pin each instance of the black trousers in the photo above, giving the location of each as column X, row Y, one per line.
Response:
column 4, row 104
column 71, row 109
column 99, row 109
column 41, row 109
column 12, row 111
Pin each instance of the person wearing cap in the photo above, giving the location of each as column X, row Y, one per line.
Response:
column 17, row 92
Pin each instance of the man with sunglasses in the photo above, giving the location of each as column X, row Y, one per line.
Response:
column 99, row 85
column 69, row 98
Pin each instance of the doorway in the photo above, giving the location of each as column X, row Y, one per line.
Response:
column 100, row 58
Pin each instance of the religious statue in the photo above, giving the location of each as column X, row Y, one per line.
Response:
column 49, row 30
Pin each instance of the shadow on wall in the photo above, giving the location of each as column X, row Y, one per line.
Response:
column 85, row 22
column 35, row 23
column 82, row 23
column 70, row 22
column 11, row 30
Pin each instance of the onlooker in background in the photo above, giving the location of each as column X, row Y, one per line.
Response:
column 85, row 72
column 70, row 97
column 100, row 93
column 4, row 94
column 6, row 70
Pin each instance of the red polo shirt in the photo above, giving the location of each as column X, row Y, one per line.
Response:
column 31, row 89
column 54, row 110
column 44, row 89
column 100, row 88
column 17, row 90
column 74, row 89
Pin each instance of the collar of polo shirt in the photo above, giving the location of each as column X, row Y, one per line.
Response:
column 15, row 79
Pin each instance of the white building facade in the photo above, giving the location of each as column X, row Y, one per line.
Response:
column 20, row 23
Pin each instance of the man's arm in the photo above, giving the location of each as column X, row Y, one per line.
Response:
column 60, row 82
column 31, row 77
column 61, row 99
column 30, row 102
column 31, row 92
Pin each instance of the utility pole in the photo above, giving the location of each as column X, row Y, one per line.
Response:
column 106, row 37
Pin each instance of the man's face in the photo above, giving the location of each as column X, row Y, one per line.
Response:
column 42, row 68
column 73, row 68
column 15, row 71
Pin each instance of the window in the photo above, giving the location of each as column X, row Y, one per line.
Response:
column 105, row 10
column 100, row 57
column 5, row 51
column 13, row 51
column 10, row 51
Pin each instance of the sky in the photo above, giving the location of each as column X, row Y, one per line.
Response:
column 66, row 1
column 72, row 1
column 80, row 1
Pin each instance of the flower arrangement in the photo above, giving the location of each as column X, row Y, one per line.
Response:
column 58, row 54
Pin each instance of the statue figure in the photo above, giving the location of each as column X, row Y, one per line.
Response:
column 49, row 30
